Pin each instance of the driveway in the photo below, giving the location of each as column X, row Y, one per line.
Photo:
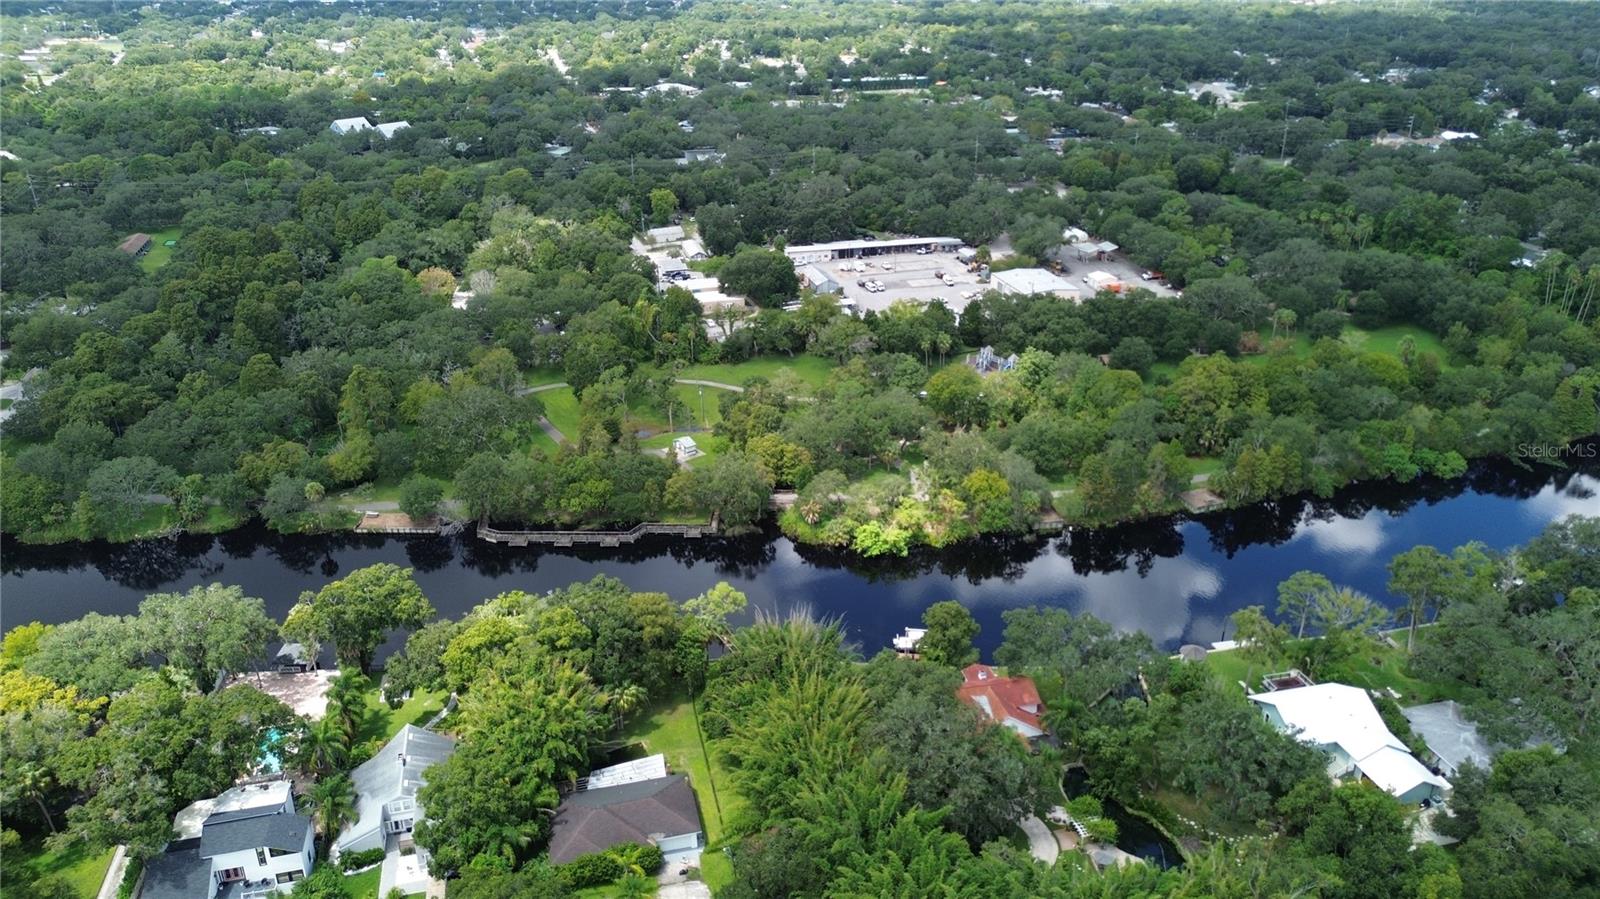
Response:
column 1041, row 842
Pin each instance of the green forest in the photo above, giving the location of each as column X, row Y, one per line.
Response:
column 449, row 318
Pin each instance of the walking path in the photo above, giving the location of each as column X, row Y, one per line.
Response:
column 113, row 880
column 1041, row 842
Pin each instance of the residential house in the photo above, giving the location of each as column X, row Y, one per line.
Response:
column 135, row 245
column 246, row 843
column 386, row 788
column 661, row 811
column 292, row 658
column 693, row 250
column 390, row 129
column 348, row 126
column 1009, row 701
column 1341, row 721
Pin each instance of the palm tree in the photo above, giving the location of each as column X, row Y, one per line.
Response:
column 333, row 802
column 33, row 781
column 626, row 700
column 324, row 746
column 635, row 886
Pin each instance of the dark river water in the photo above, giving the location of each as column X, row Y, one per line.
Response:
column 1176, row 579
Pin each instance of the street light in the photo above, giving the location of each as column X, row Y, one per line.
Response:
column 702, row 408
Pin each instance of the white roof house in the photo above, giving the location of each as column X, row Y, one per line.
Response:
column 685, row 448
column 693, row 249
column 386, row 788
column 1341, row 721
column 668, row 234
column 346, row 126
column 389, row 129
column 1033, row 280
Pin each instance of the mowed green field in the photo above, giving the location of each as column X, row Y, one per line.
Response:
column 812, row 370
column 160, row 254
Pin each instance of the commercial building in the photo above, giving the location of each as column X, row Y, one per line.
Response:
column 856, row 249
column 1032, row 281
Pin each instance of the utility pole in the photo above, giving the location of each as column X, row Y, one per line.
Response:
column 35, row 193
column 974, row 157
column 1411, row 122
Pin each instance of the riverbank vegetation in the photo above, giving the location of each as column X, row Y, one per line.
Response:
column 819, row 773
column 340, row 310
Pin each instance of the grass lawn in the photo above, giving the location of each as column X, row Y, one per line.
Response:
column 813, row 370
column 1210, row 465
column 365, row 884
column 535, row 377
column 1378, row 667
column 1382, row 340
column 669, row 727
column 160, row 254
column 561, row 408
column 82, row 870
column 381, row 722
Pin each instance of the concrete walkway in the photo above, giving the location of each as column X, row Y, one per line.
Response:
column 1041, row 842
column 113, row 880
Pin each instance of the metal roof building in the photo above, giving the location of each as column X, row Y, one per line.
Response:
column 851, row 249
column 1033, row 280
column 386, row 787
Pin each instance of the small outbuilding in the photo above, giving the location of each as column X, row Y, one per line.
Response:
column 135, row 245
column 685, row 448
column 351, row 125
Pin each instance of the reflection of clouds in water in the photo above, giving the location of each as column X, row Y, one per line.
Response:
column 1581, row 497
column 1345, row 536
column 1157, row 603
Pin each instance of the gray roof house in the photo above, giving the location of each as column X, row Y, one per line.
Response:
column 661, row 811
column 386, row 788
column 254, row 846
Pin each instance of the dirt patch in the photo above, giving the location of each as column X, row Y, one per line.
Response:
column 383, row 522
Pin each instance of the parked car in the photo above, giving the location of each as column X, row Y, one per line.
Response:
column 888, row 266
column 923, row 251
column 949, row 281
column 861, row 282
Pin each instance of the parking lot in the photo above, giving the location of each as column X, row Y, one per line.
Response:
column 1119, row 265
column 905, row 276
column 908, row 276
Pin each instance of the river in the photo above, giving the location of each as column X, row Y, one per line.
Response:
column 1176, row 579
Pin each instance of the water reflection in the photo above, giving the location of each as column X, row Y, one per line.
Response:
column 1178, row 579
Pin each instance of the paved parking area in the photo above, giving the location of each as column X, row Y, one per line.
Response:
column 1118, row 265
column 908, row 277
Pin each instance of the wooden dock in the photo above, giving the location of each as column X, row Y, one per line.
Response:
column 593, row 538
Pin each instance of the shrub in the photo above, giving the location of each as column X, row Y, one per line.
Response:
column 640, row 859
column 595, row 869
column 130, row 878
column 351, row 861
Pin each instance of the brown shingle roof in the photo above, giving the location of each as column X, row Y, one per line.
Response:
column 596, row 820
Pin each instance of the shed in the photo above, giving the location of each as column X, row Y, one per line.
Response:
column 685, row 448
column 135, row 245
column 814, row 277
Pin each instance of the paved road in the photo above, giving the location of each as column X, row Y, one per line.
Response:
column 1041, row 842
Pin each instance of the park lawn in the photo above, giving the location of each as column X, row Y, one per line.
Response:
column 1207, row 465
column 160, row 254
column 710, row 445
column 669, row 727
column 561, row 410
column 365, row 884
column 82, row 870
column 381, row 722
column 813, row 370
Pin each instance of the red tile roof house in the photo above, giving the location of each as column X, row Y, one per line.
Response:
column 1010, row 701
